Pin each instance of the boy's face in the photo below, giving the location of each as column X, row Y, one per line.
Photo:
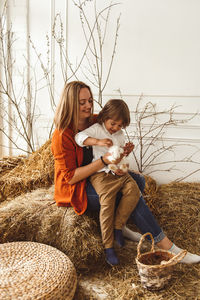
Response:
column 113, row 126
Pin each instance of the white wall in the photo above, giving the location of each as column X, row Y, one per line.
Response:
column 157, row 55
column 159, row 47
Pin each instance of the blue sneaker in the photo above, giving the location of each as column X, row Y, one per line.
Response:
column 111, row 257
column 119, row 238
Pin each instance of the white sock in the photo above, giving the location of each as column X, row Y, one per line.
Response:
column 188, row 259
column 131, row 235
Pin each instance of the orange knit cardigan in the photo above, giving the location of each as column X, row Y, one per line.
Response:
column 67, row 157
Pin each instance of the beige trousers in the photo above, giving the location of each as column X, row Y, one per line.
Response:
column 107, row 186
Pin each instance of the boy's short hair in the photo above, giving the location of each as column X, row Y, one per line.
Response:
column 115, row 109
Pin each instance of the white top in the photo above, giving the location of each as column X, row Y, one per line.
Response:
column 100, row 132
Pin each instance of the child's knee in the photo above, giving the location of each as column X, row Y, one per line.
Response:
column 133, row 189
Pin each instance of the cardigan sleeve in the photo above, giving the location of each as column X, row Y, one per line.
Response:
column 68, row 156
column 64, row 152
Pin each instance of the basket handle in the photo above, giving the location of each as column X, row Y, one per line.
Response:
column 177, row 257
column 140, row 243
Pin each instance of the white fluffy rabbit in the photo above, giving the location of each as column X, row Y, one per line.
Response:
column 115, row 152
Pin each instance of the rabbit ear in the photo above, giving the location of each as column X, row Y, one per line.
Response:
column 124, row 168
column 112, row 167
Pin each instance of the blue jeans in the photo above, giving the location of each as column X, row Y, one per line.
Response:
column 142, row 217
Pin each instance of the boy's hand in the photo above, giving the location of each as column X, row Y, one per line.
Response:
column 128, row 148
column 104, row 142
column 119, row 172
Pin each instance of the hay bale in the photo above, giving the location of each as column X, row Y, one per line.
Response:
column 8, row 163
column 150, row 186
column 150, row 191
column 35, row 217
column 178, row 212
column 31, row 173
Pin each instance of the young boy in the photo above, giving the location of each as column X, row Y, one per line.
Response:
column 114, row 116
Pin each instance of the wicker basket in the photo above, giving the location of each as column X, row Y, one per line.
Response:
column 155, row 267
column 30, row 270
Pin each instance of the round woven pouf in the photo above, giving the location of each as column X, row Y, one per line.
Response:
column 30, row 270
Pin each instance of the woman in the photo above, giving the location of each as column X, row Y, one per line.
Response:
column 73, row 166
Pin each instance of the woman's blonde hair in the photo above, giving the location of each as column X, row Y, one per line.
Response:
column 67, row 111
column 115, row 109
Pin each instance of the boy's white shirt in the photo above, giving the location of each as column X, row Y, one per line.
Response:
column 100, row 132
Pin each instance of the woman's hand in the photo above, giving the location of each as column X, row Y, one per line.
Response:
column 104, row 142
column 128, row 148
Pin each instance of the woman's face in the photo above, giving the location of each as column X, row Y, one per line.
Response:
column 85, row 103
